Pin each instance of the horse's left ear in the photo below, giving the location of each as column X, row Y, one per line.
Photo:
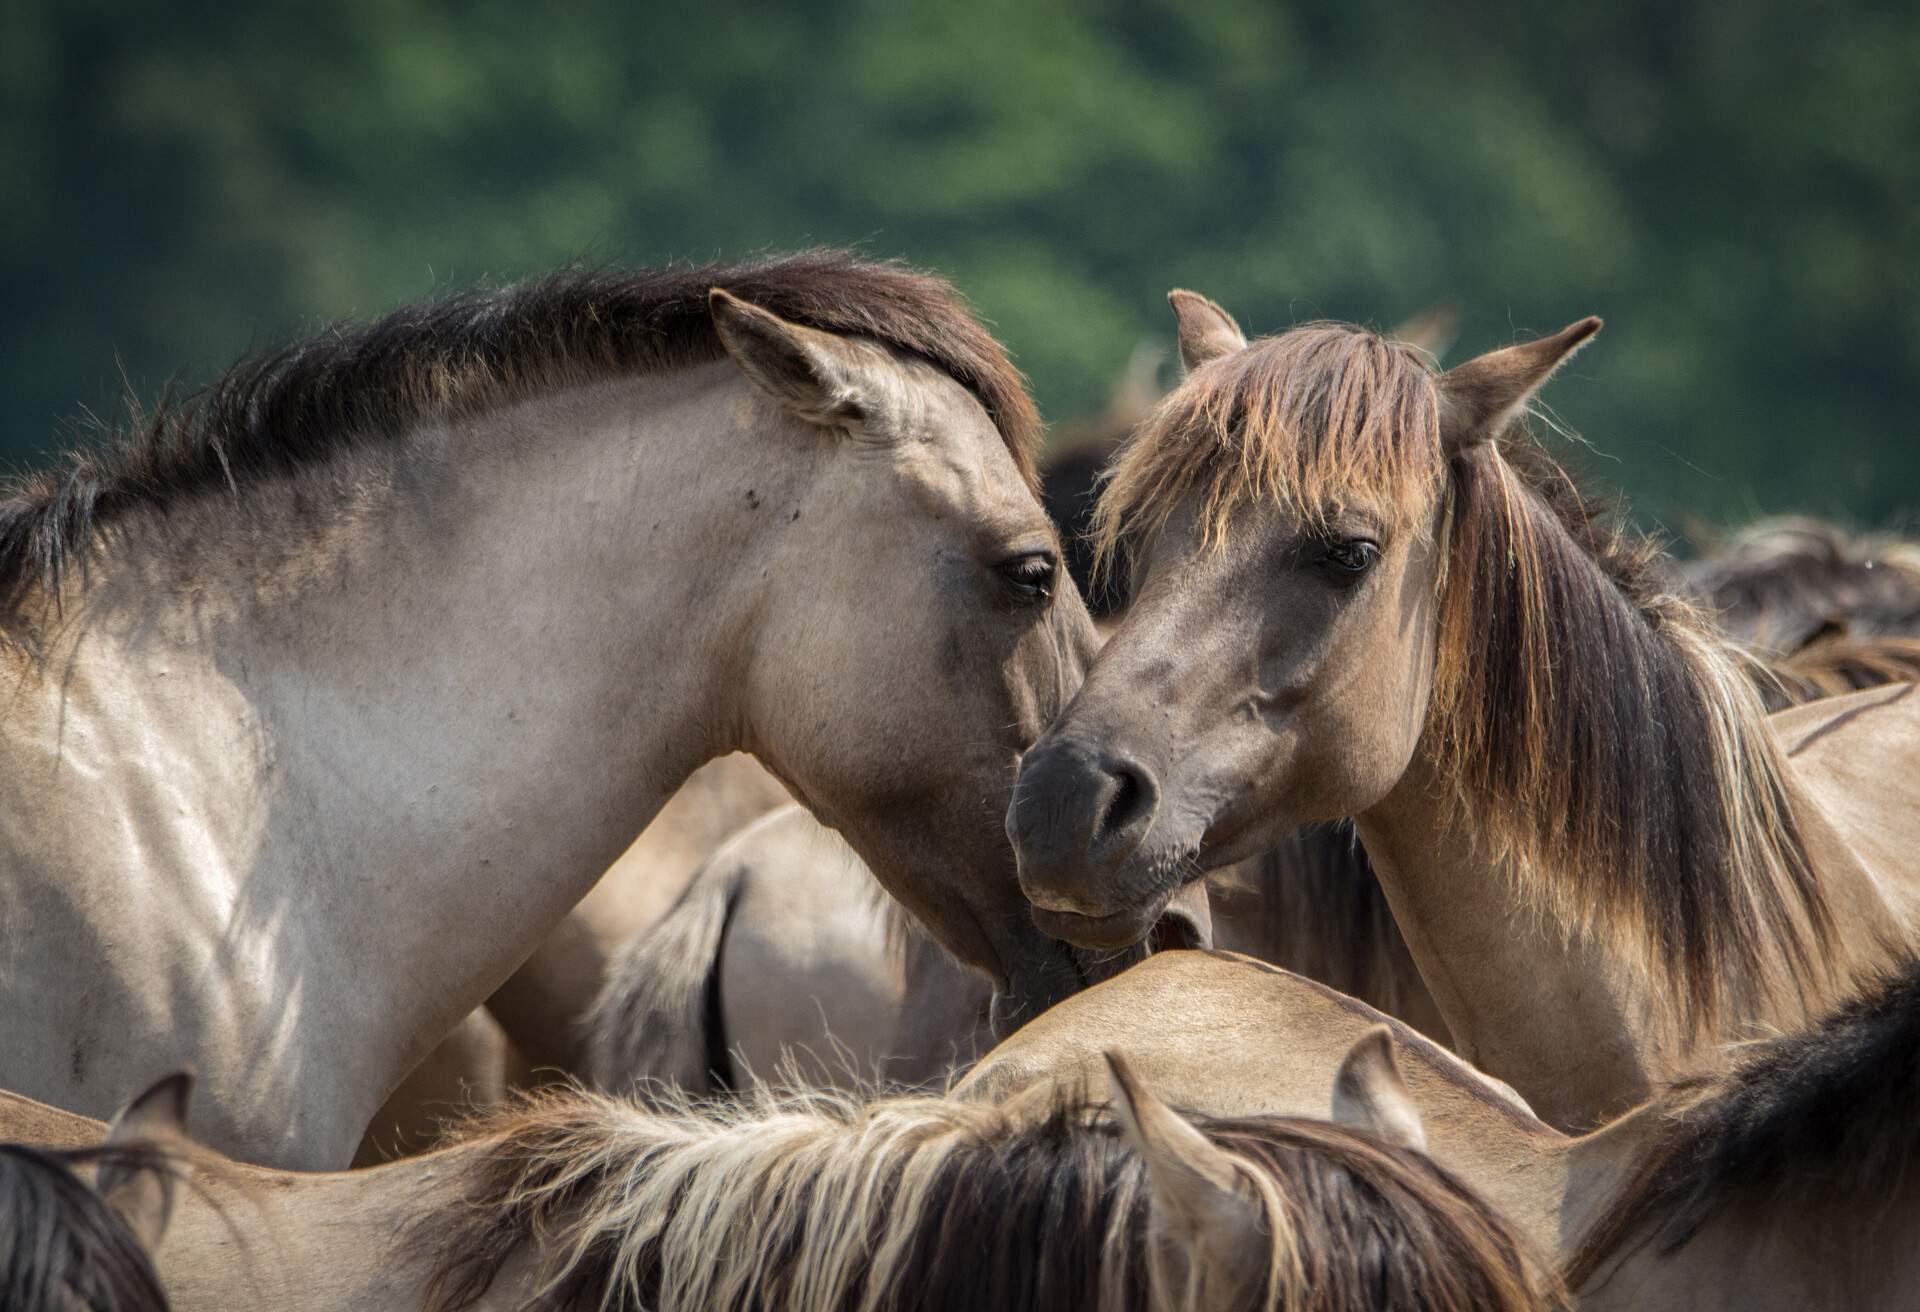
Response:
column 1207, row 332
column 1200, row 1209
column 818, row 376
column 1480, row 398
column 1369, row 1093
column 143, row 1193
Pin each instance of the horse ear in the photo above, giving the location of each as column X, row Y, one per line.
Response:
column 1480, row 398
column 1200, row 1210
column 821, row 377
column 142, row 1193
column 1207, row 332
column 1431, row 331
column 1369, row 1093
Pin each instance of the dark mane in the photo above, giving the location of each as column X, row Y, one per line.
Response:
column 1606, row 729
column 929, row 1204
column 1779, row 582
column 353, row 388
column 1810, row 1120
column 62, row 1247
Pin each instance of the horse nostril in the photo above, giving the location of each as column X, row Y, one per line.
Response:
column 1131, row 801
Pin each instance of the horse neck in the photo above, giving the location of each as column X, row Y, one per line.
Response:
column 313, row 1242
column 1570, row 1022
column 388, row 760
column 1577, row 1018
column 1572, row 1018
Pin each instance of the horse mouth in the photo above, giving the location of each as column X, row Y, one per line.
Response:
column 1111, row 932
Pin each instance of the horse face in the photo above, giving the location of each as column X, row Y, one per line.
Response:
column 925, row 597
column 1277, row 679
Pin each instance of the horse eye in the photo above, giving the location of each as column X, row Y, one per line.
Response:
column 1351, row 556
column 1031, row 575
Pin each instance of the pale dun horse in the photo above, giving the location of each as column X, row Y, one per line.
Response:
column 333, row 689
column 1363, row 592
column 825, row 1204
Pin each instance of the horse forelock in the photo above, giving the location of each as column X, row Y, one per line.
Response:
column 1609, row 743
column 1319, row 418
column 1818, row 1119
column 823, row 1204
column 296, row 410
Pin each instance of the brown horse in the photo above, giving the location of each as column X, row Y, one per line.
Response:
column 784, row 961
column 1363, row 595
column 332, row 690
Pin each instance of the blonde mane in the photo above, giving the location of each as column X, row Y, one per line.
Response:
column 820, row 1203
column 1595, row 729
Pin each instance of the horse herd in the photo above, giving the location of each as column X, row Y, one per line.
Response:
column 1572, row 889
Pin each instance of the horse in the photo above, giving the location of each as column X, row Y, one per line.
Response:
column 784, row 963
column 333, row 688
column 818, row 997
column 1780, row 582
column 827, row 1203
column 1785, row 1181
column 1605, row 859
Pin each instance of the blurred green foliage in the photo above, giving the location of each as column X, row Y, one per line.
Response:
column 1736, row 187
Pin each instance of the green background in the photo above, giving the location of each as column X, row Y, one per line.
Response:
column 1735, row 187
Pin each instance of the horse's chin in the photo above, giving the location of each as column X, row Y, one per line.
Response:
column 1063, row 969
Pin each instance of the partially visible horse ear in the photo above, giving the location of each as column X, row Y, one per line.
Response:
column 821, row 377
column 1199, row 1205
column 1207, row 332
column 1480, row 398
column 1369, row 1093
column 1431, row 331
column 142, row 1193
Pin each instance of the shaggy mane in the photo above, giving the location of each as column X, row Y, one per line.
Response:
column 1779, row 582
column 353, row 388
column 825, row 1205
column 1315, row 419
column 1594, row 726
column 1809, row 1120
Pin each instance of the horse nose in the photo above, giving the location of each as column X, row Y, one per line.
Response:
column 1079, row 814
